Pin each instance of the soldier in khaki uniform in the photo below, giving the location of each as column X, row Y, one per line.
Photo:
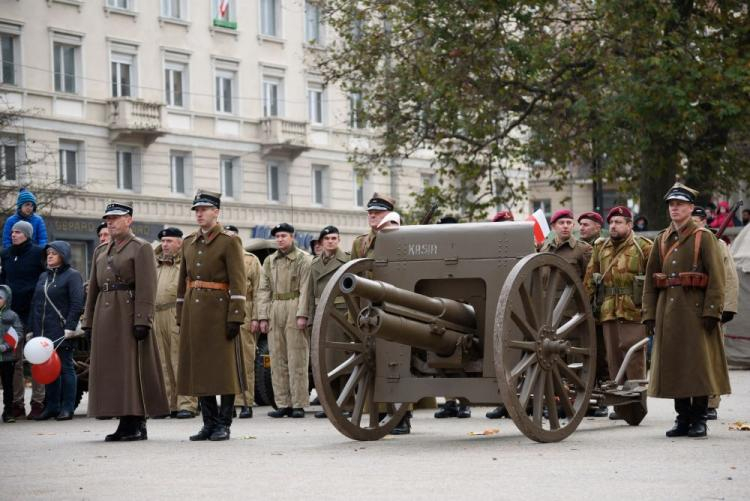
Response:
column 283, row 311
column 565, row 245
column 590, row 227
column 165, row 321
column 323, row 266
column 731, row 294
column 250, row 329
column 683, row 299
column 614, row 277
column 210, row 312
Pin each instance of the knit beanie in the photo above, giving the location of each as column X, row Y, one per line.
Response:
column 24, row 228
column 24, row 196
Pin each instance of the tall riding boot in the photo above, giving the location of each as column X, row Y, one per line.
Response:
column 698, row 410
column 210, row 413
column 221, row 432
column 682, row 423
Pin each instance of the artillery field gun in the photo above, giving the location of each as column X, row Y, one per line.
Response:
column 467, row 311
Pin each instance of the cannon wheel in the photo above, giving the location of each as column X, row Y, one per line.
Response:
column 349, row 382
column 544, row 358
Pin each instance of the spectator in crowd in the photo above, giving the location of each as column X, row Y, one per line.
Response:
column 640, row 224
column 102, row 233
column 26, row 211
column 745, row 217
column 57, row 306
column 22, row 263
column 11, row 342
column 316, row 247
column 722, row 213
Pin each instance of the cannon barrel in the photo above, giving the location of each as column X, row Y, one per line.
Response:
column 437, row 307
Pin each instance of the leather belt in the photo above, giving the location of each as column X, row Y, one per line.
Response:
column 201, row 284
column 109, row 287
column 165, row 306
column 285, row 296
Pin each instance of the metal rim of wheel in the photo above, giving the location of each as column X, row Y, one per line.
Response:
column 543, row 358
column 357, row 371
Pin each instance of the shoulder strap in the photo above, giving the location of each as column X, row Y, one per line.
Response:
column 697, row 246
column 664, row 238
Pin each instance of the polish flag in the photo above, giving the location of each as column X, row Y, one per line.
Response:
column 541, row 228
column 11, row 337
column 223, row 8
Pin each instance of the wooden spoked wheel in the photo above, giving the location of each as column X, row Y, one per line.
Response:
column 343, row 363
column 545, row 347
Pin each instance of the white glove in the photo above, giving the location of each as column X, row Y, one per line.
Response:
column 69, row 334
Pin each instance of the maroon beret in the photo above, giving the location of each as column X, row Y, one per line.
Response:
column 503, row 215
column 620, row 210
column 562, row 213
column 594, row 216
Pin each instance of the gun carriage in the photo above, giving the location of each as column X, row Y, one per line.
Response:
column 467, row 311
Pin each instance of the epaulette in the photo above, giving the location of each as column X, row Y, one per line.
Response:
column 229, row 234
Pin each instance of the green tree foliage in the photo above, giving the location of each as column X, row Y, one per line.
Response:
column 642, row 89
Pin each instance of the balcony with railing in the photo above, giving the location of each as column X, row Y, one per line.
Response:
column 135, row 119
column 284, row 137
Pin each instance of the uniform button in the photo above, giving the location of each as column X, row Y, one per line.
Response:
column 674, row 262
column 106, row 304
column 236, row 311
column 200, row 252
column 671, row 299
column 198, row 277
column 197, row 300
column 198, row 264
column 221, row 299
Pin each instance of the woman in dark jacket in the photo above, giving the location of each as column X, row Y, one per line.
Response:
column 56, row 309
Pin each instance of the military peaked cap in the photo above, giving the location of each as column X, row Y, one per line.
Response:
column 118, row 209
column 592, row 216
column 170, row 232
column 285, row 227
column 620, row 210
column 231, row 227
column 206, row 199
column 679, row 191
column 380, row 202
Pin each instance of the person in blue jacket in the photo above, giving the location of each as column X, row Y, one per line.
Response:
column 26, row 211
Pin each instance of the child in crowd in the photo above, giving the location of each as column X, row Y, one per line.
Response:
column 10, row 349
column 26, row 211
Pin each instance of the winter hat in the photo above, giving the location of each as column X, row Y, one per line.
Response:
column 24, row 228
column 24, row 196
column 4, row 293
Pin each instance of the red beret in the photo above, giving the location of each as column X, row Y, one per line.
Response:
column 594, row 216
column 620, row 210
column 503, row 215
column 562, row 213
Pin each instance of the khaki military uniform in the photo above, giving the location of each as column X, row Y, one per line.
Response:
column 249, row 338
column 283, row 296
column 620, row 313
column 574, row 251
column 210, row 364
column 125, row 376
column 731, row 293
column 364, row 245
column 166, row 331
column 687, row 361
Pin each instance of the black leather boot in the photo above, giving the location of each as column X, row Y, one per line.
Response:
column 498, row 412
column 221, row 432
column 464, row 411
column 698, row 411
column 280, row 412
column 404, row 426
column 210, row 413
column 123, row 428
column 449, row 409
column 137, row 429
column 246, row 412
column 682, row 423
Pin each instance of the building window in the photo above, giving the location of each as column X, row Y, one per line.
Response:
column 319, row 184
column 315, row 104
column 356, row 111
column 128, row 169
column 66, row 57
column 224, row 13
column 71, row 161
column 272, row 96
column 224, row 91
column 429, row 179
column 174, row 9
column 123, row 75
column 180, row 172
column 8, row 160
column 544, row 205
column 175, row 83
column 361, row 188
column 313, row 26
column 8, row 57
column 276, row 174
column 230, row 177
column 120, row 4
column 269, row 18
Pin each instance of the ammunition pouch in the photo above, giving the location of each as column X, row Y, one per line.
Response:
column 599, row 292
column 638, row 282
column 685, row 279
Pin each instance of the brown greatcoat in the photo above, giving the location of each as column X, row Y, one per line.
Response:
column 115, row 386
column 208, row 360
column 576, row 252
column 687, row 361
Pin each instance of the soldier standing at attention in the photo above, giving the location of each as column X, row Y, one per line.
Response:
column 730, row 294
column 565, row 245
column 283, row 310
column 614, row 277
column 683, row 300
column 125, row 377
column 250, row 328
column 210, row 311
column 377, row 208
column 590, row 227
column 323, row 266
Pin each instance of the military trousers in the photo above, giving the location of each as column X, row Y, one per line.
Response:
column 167, row 335
column 289, row 348
column 249, row 342
column 619, row 336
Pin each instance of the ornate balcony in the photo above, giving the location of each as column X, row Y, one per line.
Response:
column 284, row 137
column 135, row 119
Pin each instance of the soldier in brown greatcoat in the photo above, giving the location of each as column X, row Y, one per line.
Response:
column 564, row 244
column 683, row 298
column 210, row 311
column 125, row 378
column 377, row 208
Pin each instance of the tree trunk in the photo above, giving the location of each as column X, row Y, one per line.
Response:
column 658, row 170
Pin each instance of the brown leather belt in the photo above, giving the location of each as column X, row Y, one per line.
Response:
column 109, row 287
column 201, row 284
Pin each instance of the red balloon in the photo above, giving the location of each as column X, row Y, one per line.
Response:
column 48, row 371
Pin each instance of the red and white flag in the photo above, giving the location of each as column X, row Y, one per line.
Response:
column 541, row 227
column 224, row 8
column 11, row 337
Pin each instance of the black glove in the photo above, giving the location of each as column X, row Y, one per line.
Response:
column 87, row 332
column 727, row 316
column 709, row 323
column 140, row 332
column 233, row 330
column 650, row 326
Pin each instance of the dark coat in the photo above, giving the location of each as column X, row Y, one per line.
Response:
column 208, row 360
column 121, row 383
column 687, row 360
column 64, row 286
column 21, row 267
column 9, row 318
